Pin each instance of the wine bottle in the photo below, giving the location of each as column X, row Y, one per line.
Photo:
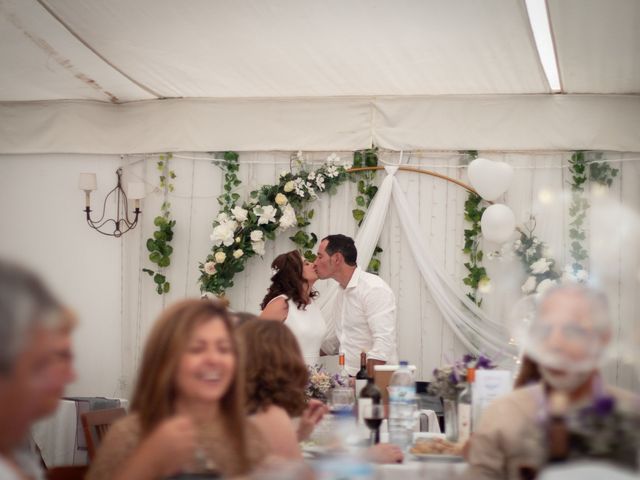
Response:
column 557, row 429
column 369, row 395
column 465, row 408
column 361, row 376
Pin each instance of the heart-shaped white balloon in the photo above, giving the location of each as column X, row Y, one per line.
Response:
column 498, row 223
column 490, row 179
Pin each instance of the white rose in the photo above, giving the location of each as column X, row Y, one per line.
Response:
column 582, row 276
column 284, row 173
column 288, row 218
column 311, row 176
column 530, row 285
column 281, row 199
column 238, row 239
column 239, row 213
column 540, row 266
column 210, row 268
column 333, row 158
column 258, row 247
column 545, row 285
column 289, row 186
column 320, row 182
column 266, row 214
column 238, row 253
column 223, row 233
column 256, row 235
column 222, row 217
column 220, row 257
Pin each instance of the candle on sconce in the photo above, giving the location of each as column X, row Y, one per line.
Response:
column 88, row 183
column 136, row 191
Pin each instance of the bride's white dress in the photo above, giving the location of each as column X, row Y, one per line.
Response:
column 309, row 328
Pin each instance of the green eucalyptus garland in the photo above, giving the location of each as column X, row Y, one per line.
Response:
column 367, row 189
column 584, row 167
column 159, row 245
column 477, row 274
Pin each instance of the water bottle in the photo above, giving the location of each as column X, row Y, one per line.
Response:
column 402, row 406
column 347, row 461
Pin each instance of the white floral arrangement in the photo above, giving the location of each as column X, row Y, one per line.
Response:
column 540, row 267
column 240, row 231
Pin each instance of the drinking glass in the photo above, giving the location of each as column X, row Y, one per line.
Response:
column 373, row 416
column 341, row 400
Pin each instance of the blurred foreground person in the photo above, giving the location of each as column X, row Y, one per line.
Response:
column 276, row 381
column 188, row 404
column 30, row 382
column 570, row 413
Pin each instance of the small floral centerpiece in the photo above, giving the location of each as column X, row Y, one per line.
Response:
column 321, row 382
column 449, row 380
column 605, row 431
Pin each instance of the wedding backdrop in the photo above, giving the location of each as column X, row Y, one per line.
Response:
column 95, row 86
column 117, row 301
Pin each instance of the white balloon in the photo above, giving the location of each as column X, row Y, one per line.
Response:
column 490, row 179
column 498, row 223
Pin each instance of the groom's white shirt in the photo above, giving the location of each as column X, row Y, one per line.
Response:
column 365, row 321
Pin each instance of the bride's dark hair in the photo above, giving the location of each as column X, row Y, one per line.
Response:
column 288, row 280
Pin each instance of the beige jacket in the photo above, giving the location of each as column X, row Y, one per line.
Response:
column 510, row 434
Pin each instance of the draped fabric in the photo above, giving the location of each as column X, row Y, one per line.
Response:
column 473, row 328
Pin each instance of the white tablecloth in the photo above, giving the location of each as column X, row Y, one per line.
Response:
column 423, row 470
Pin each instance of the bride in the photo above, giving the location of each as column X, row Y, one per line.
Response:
column 290, row 300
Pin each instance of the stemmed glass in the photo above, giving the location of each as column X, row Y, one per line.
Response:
column 373, row 416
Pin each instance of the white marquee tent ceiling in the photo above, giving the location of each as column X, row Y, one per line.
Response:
column 233, row 60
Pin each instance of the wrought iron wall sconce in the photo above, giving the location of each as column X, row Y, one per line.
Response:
column 121, row 222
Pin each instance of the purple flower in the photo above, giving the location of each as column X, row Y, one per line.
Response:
column 484, row 363
column 453, row 377
column 604, row 405
column 468, row 358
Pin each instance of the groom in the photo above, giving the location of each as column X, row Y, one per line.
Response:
column 366, row 315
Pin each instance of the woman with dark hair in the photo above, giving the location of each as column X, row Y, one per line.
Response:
column 276, row 378
column 187, row 412
column 290, row 300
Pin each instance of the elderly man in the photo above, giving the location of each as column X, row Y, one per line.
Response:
column 366, row 321
column 31, row 377
column 567, row 339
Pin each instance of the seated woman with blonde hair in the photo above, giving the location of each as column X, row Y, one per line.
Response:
column 276, row 379
column 188, row 405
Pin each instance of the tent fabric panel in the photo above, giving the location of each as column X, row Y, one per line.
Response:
column 291, row 48
column 42, row 60
column 598, row 45
column 184, row 125
column 499, row 122
column 503, row 122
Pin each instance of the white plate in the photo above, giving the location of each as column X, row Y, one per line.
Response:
column 435, row 457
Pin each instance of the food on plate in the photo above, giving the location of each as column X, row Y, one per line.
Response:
column 435, row 446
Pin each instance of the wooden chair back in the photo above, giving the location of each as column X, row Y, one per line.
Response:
column 95, row 425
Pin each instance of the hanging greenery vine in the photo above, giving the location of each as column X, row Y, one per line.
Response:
column 367, row 189
column 240, row 231
column 159, row 246
column 477, row 274
column 583, row 167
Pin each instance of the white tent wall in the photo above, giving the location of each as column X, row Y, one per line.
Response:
column 100, row 277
